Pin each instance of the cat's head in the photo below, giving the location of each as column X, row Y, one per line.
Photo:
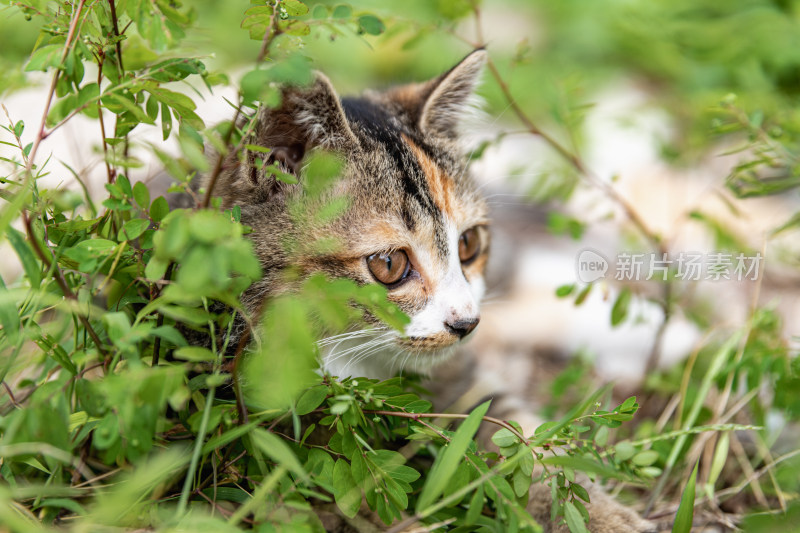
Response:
column 415, row 221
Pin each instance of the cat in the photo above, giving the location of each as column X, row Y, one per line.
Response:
column 415, row 223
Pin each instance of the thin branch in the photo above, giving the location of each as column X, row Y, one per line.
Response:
column 110, row 172
column 578, row 164
column 11, row 395
column 418, row 416
column 52, row 91
column 160, row 322
column 51, row 263
column 117, row 35
column 269, row 36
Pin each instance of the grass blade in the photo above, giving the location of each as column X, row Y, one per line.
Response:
column 685, row 514
column 446, row 464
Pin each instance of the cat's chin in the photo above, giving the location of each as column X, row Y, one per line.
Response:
column 400, row 355
column 430, row 343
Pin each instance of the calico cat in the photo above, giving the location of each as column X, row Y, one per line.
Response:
column 415, row 222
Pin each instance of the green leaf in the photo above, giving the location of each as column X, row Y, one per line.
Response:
column 624, row 450
column 133, row 229
column 371, row 24
column 117, row 325
column 447, row 463
column 26, row 256
column 159, row 209
column 583, row 294
column 277, row 450
column 685, row 514
column 166, row 121
column 620, row 309
column 345, row 489
column 645, row 458
column 342, row 11
column 45, row 57
column 504, row 438
column 169, row 334
column 141, row 194
column 294, row 8
column 580, row 492
column 565, row 290
column 156, row 268
column 475, row 506
column 311, row 399
column 195, row 354
column 574, row 518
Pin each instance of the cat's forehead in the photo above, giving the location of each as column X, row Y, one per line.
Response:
column 420, row 180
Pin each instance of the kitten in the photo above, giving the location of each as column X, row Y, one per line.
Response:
column 415, row 223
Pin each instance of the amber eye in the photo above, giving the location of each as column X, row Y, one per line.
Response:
column 389, row 267
column 469, row 244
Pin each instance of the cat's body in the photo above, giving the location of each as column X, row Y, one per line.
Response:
column 415, row 222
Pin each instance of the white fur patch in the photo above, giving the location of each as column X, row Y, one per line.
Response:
column 375, row 353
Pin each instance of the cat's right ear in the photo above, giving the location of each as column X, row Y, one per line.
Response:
column 308, row 117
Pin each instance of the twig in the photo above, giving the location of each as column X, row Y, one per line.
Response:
column 10, row 395
column 117, row 35
column 40, row 135
column 633, row 216
column 417, row 416
column 160, row 322
column 111, row 173
column 52, row 91
column 272, row 32
column 757, row 474
column 51, row 263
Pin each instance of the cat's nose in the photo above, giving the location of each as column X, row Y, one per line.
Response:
column 462, row 328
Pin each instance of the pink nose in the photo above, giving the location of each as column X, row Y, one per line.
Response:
column 462, row 328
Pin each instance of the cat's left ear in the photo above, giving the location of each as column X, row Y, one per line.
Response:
column 437, row 106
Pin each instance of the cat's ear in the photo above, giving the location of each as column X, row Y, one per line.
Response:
column 437, row 106
column 307, row 117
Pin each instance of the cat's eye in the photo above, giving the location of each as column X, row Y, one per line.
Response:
column 469, row 244
column 389, row 267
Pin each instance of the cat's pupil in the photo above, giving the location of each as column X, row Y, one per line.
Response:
column 468, row 245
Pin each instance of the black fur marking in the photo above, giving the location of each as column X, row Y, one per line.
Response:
column 379, row 127
column 408, row 219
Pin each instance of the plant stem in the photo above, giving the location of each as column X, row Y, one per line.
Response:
column 417, row 416
column 198, row 448
column 51, row 263
column 578, row 164
column 40, row 135
column 160, row 322
column 269, row 36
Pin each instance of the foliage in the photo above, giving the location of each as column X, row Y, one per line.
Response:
column 114, row 418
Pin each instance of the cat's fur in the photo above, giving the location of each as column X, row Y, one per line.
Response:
column 406, row 180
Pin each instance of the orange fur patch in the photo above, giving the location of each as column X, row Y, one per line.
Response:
column 439, row 183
